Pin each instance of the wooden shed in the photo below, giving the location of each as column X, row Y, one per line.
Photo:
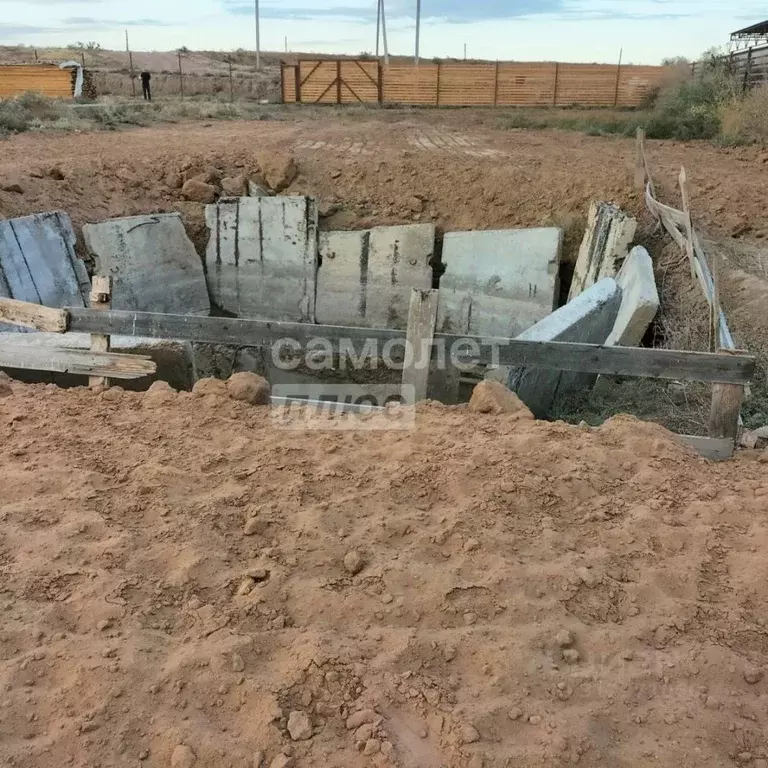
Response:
column 47, row 79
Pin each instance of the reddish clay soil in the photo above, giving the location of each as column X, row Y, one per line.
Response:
column 184, row 583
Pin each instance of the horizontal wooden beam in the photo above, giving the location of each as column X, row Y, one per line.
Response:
column 33, row 316
column 76, row 361
column 585, row 358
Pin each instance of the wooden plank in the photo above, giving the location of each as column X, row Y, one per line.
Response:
column 585, row 358
column 76, row 361
column 101, row 300
column 422, row 316
column 33, row 316
column 640, row 159
column 726, row 410
column 716, row 449
column 688, row 245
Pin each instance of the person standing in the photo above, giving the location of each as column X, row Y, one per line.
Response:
column 146, row 77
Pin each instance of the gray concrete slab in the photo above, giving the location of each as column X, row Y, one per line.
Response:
column 498, row 283
column 153, row 264
column 639, row 299
column 588, row 319
column 38, row 263
column 173, row 358
column 606, row 242
column 262, row 257
column 366, row 276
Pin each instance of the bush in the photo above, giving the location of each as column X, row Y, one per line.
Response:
column 746, row 119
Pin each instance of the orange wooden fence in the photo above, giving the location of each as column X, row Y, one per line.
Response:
column 49, row 80
column 350, row 81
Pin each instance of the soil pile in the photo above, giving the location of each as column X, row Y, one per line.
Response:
column 185, row 583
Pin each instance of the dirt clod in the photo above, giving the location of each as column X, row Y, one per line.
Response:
column 182, row 757
column 279, row 170
column 494, row 398
column 469, row 734
column 753, row 675
column 299, row 726
column 361, row 717
column 565, row 638
column 234, row 186
column 249, row 388
column 203, row 387
column 353, row 562
column 198, row 191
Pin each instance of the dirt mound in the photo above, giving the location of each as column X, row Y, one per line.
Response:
column 185, row 583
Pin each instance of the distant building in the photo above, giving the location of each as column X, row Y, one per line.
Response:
column 750, row 37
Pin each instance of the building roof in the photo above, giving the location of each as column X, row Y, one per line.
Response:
column 755, row 29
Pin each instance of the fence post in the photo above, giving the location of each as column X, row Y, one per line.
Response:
column 181, row 78
column 725, row 411
column 437, row 95
column 686, row 195
column 747, row 72
column 381, row 84
column 101, row 298
column 496, row 86
column 557, row 77
column 297, row 72
column 618, row 81
column 422, row 317
column 232, row 85
column 338, row 81
column 640, row 159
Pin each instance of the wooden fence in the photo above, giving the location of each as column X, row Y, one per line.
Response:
column 46, row 79
column 750, row 67
column 536, row 84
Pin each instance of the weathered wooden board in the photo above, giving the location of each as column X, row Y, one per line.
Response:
column 28, row 315
column 76, row 361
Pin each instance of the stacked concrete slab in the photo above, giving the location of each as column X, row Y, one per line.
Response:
column 153, row 264
column 588, row 319
column 606, row 242
column 639, row 300
column 498, row 283
column 366, row 276
column 38, row 262
column 261, row 258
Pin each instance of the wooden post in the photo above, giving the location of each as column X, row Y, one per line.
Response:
column 101, row 298
column 422, row 316
column 557, row 77
column 181, row 78
column 437, row 95
column 338, row 81
column 640, row 159
column 726, row 408
column 495, row 85
column 232, row 84
column 618, row 80
column 686, row 194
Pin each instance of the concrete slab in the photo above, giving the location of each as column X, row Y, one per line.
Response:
column 498, row 283
column 639, row 300
column 588, row 319
column 262, row 257
column 366, row 277
column 38, row 263
column 606, row 243
column 153, row 264
column 173, row 358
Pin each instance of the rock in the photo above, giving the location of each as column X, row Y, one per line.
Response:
column 469, row 734
column 282, row 761
column 748, row 439
column 326, row 210
column 256, row 189
column 211, row 176
column 238, row 665
column 353, row 562
column 589, row 578
column 198, row 191
column 535, row 719
column 416, row 204
column 515, row 713
column 160, row 392
column 335, row 174
column 494, row 398
column 246, row 585
column 235, row 186
column 761, row 433
column 182, row 757
column 372, row 747
column 753, row 675
column 299, row 726
column 258, row 760
column 356, row 719
column 253, row 526
column 571, row 656
column 174, row 181
column 209, row 387
column 248, row 388
column 55, row 173
column 364, row 732
column 12, row 187
column 565, row 638
column 470, row 545
column 278, row 170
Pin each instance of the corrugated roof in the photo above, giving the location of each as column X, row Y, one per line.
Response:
column 755, row 29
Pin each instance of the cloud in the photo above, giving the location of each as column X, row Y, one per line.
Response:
column 89, row 22
column 21, row 30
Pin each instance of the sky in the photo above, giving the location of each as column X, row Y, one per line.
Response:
column 521, row 30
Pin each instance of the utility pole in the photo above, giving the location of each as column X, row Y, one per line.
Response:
column 258, row 35
column 130, row 64
column 418, row 30
column 378, row 26
column 384, row 34
column 465, row 51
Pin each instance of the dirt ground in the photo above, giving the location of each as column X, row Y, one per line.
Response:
column 185, row 583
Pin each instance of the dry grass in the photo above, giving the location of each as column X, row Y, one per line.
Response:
column 746, row 119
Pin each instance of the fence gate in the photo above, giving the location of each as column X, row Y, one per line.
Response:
column 347, row 81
